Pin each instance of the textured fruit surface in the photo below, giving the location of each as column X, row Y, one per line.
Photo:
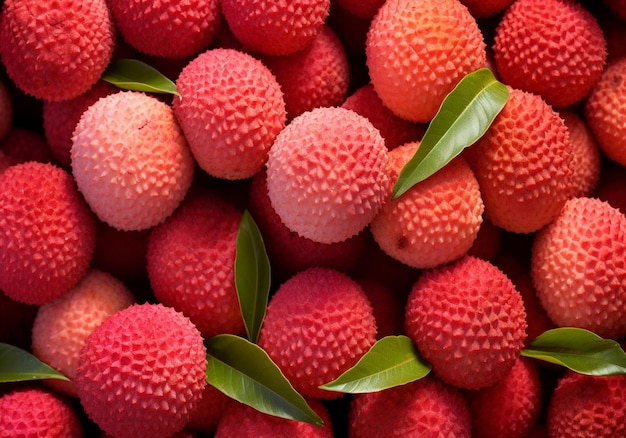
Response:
column 579, row 267
column 436, row 221
column 468, row 321
column 191, row 263
column 425, row 408
column 510, row 407
column 318, row 324
column 37, row 413
column 55, row 50
column 605, row 111
column 142, row 372
column 231, row 110
column 417, row 51
column 130, row 160
column 524, row 164
column 588, row 406
column 275, row 27
column 554, row 48
column 168, row 28
column 62, row 326
column 47, row 233
column 242, row 421
column 326, row 174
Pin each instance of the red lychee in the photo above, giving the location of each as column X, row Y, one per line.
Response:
column 425, row 408
column 56, row 50
column 417, row 51
column 554, row 48
column 468, row 321
column 578, row 266
column 231, row 109
column 326, row 174
column 33, row 412
column 207, row 414
column 130, row 160
column 142, row 372
column 47, row 233
column 191, row 260
column 318, row 324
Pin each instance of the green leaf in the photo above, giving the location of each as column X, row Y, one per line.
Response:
column 244, row 372
column 17, row 365
column 252, row 275
column 579, row 350
column 392, row 361
column 464, row 116
column 131, row 74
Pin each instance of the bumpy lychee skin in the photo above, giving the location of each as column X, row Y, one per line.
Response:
column 191, row 260
column 231, row 110
column 245, row 422
column 275, row 27
column 417, row 51
column 6, row 112
column 510, row 407
column 553, row 48
column 56, row 50
column 326, row 174
column 33, row 412
column 130, row 160
column 318, row 324
column 436, row 221
column 605, row 111
column 395, row 131
column 171, row 29
column 578, row 266
column 142, row 372
column 486, row 8
column 61, row 327
column 316, row 76
column 468, row 321
column 47, row 233
column 524, row 164
column 425, row 408
column 588, row 406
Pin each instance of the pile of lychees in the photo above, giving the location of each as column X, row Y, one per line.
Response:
column 120, row 211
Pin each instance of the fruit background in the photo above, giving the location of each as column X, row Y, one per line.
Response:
column 119, row 211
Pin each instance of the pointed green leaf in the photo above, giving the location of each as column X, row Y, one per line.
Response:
column 392, row 361
column 17, row 365
column 579, row 350
column 464, row 116
column 244, row 372
column 252, row 275
column 131, row 74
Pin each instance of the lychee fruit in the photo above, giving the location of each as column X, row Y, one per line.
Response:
column 275, row 27
column 417, row 51
column 207, row 414
column 6, row 111
column 34, row 412
column 130, row 160
column 142, row 372
column 168, row 28
column 387, row 305
column 47, row 233
column 436, row 221
column 61, row 327
column 578, row 266
column 553, row 48
column 523, row 164
column 605, row 111
column 510, row 407
column 584, row 405
column 326, row 174
column 424, row 408
column 231, row 109
column 56, row 50
column 190, row 263
column 318, row 324
column 468, row 321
